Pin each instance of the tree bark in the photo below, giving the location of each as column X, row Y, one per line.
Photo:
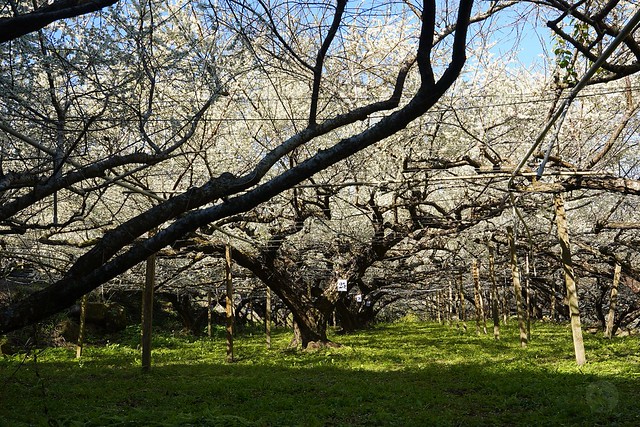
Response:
column 18, row 26
column 613, row 300
column 495, row 313
column 267, row 317
column 479, row 303
column 517, row 289
column 569, row 279
column 209, row 309
column 83, row 316
column 229, row 302
column 147, row 311
column 462, row 301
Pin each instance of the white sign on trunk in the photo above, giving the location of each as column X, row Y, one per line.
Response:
column 342, row 285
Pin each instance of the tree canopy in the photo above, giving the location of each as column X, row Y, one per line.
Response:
column 377, row 142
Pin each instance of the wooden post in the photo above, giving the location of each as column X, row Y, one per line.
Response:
column 83, row 316
column 147, row 311
column 569, row 279
column 552, row 310
column 515, row 276
column 495, row 315
column 527, row 293
column 613, row 301
column 209, row 313
column 267, row 318
column 450, row 306
column 462, row 311
column 477, row 298
column 505, row 301
column 229, row 303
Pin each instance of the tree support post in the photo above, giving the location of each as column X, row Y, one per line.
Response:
column 613, row 301
column 527, row 293
column 462, row 311
column 147, row 311
column 552, row 311
column 505, row 301
column 517, row 289
column 495, row 314
column 267, row 318
column 569, row 279
column 450, row 306
column 229, row 302
column 83, row 316
column 209, row 308
column 479, row 303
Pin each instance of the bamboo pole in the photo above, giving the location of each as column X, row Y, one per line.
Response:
column 481, row 322
column 462, row 310
column 495, row 315
column 450, row 306
column 83, row 316
column 505, row 301
column 569, row 279
column 515, row 276
column 552, row 310
column 209, row 313
column 267, row 318
column 147, row 311
column 527, row 293
column 229, row 303
column 613, row 301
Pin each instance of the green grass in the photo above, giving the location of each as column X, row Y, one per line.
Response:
column 404, row 374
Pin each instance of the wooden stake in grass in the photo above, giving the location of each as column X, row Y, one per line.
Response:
column 515, row 276
column 552, row 314
column 147, row 311
column 495, row 315
column 267, row 318
column 209, row 314
column 462, row 311
column 505, row 301
column 83, row 316
column 613, row 301
column 450, row 306
column 477, row 298
column 229, row 303
column 527, row 292
column 569, row 279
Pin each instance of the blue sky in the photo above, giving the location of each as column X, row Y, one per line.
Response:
column 530, row 37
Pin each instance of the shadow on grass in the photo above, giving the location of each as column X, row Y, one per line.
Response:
column 238, row 394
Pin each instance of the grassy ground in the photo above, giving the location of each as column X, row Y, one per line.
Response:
column 404, row 374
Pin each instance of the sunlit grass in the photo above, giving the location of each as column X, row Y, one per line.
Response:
column 395, row 374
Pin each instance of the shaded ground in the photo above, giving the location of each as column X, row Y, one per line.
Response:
column 402, row 374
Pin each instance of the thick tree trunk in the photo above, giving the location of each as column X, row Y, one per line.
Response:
column 351, row 320
column 310, row 330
